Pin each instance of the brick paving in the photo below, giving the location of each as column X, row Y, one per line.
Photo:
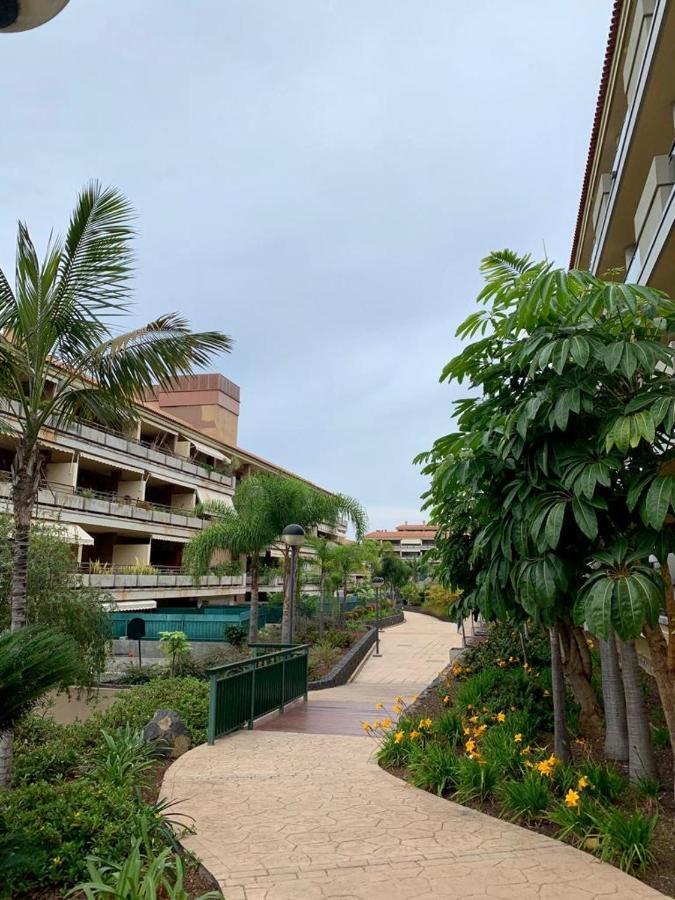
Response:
column 298, row 809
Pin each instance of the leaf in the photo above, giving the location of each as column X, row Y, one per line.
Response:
column 585, row 517
column 598, row 607
column 636, row 488
column 612, row 356
column 554, row 524
column 628, row 613
column 619, row 434
column 580, row 350
column 652, row 596
column 629, row 361
column 658, row 500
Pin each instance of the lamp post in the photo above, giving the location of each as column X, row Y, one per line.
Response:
column 294, row 537
column 22, row 15
column 377, row 582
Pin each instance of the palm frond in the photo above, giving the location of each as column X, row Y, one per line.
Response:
column 33, row 661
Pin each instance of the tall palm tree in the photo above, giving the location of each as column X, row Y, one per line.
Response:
column 61, row 356
column 243, row 531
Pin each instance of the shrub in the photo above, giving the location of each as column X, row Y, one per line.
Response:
column 49, row 829
column 189, row 697
column 649, row 787
column 576, row 824
column 322, row 658
column 433, row 767
column 338, row 637
column 505, row 689
column 504, row 644
column 501, row 750
column 527, row 799
column 625, row 839
column 236, row 635
column 397, row 744
column 44, row 751
column 476, row 779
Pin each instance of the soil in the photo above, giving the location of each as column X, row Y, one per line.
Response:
column 661, row 874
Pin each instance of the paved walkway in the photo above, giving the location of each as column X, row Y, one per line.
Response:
column 299, row 810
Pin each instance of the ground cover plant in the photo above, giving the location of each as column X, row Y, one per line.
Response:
column 83, row 806
column 484, row 739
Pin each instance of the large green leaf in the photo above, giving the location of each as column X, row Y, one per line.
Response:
column 659, row 498
column 598, row 606
column 585, row 517
column 628, row 610
column 554, row 523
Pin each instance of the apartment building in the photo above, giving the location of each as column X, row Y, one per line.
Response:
column 627, row 208
column 407, row 541
column 126, row 501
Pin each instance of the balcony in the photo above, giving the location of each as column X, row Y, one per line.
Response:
column 162, row 582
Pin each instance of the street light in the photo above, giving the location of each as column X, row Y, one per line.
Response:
column 22, row 15
column 377, row 582
column 294, row 537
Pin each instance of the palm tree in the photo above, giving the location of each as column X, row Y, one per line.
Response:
column 33, row 661
column 323, row 553
column 60, row 355
column 243, row 531
column 346, row 560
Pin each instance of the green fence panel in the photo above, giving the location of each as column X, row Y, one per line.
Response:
column 243, row 691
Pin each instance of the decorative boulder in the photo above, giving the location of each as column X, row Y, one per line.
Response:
column 166, row 729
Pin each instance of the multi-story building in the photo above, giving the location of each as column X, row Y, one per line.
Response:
column 126, row 502
column 407, row 541
column 627, row 208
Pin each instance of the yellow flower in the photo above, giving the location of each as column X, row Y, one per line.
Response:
column 545, row 768
column 399, row 699
column 501, row 717
column 470, row 745
column 398, row 737
column 478, row 731
column 446, row 699
column 512, row 708
column 426, row 723
column 414, row 734
column 469, row 706
column 530, row 765
column 387, row 723
column 474, row 719
column 572, row 799
column 398, row 709
column 366, row 726
column 56, row 860
column 376, row 723
column 379, row 706
column 518, row 738
column 502, row 664
column 526, row 751
column 553, row 760
column 582, row 783
column 547, row 693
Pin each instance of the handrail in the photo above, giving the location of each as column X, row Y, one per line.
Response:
column 253, row 661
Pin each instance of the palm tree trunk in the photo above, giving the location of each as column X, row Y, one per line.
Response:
column 616, row 729
column 561, row 735
column 25, row 481
column 322, row 601
column 640, row 754
column 253, row 606
column 578, row 664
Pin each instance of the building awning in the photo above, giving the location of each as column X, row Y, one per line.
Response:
column 205, row 495
column 208, row 451
column 70, row 533
column 411, row 542
column 171, row 539
column 130, row 606
column 102, row 461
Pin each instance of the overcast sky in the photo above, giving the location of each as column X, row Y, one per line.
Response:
column 319, row 179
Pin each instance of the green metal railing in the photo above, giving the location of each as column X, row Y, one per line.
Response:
column 241, row 692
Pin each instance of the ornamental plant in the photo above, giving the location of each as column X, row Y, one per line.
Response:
column 563, row 451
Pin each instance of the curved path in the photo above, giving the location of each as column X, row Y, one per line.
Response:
column 298, row 809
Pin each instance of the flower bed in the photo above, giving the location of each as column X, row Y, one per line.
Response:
column 482, row 737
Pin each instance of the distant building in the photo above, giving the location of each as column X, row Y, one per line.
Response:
column 408, row 541
column 627, row 208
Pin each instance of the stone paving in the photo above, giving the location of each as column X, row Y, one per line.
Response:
column 297, row 815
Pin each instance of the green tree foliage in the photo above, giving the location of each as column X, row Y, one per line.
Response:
column 563, row 449
column 57, row 599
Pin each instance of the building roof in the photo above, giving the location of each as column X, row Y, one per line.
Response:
column 421, row 532
column 597, row 118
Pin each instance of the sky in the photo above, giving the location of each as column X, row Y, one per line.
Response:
column 319, row 179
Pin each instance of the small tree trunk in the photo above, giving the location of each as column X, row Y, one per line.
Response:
column 616, row 731
column 6, row 756
column 322, row 601
column 576, row 664
column 640, row 754
column 665, row 682
column 253, row 621
column 561, row 735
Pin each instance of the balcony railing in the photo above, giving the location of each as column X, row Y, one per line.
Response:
column 119, row 577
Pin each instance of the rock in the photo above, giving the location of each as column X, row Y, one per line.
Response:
column 166, row 728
